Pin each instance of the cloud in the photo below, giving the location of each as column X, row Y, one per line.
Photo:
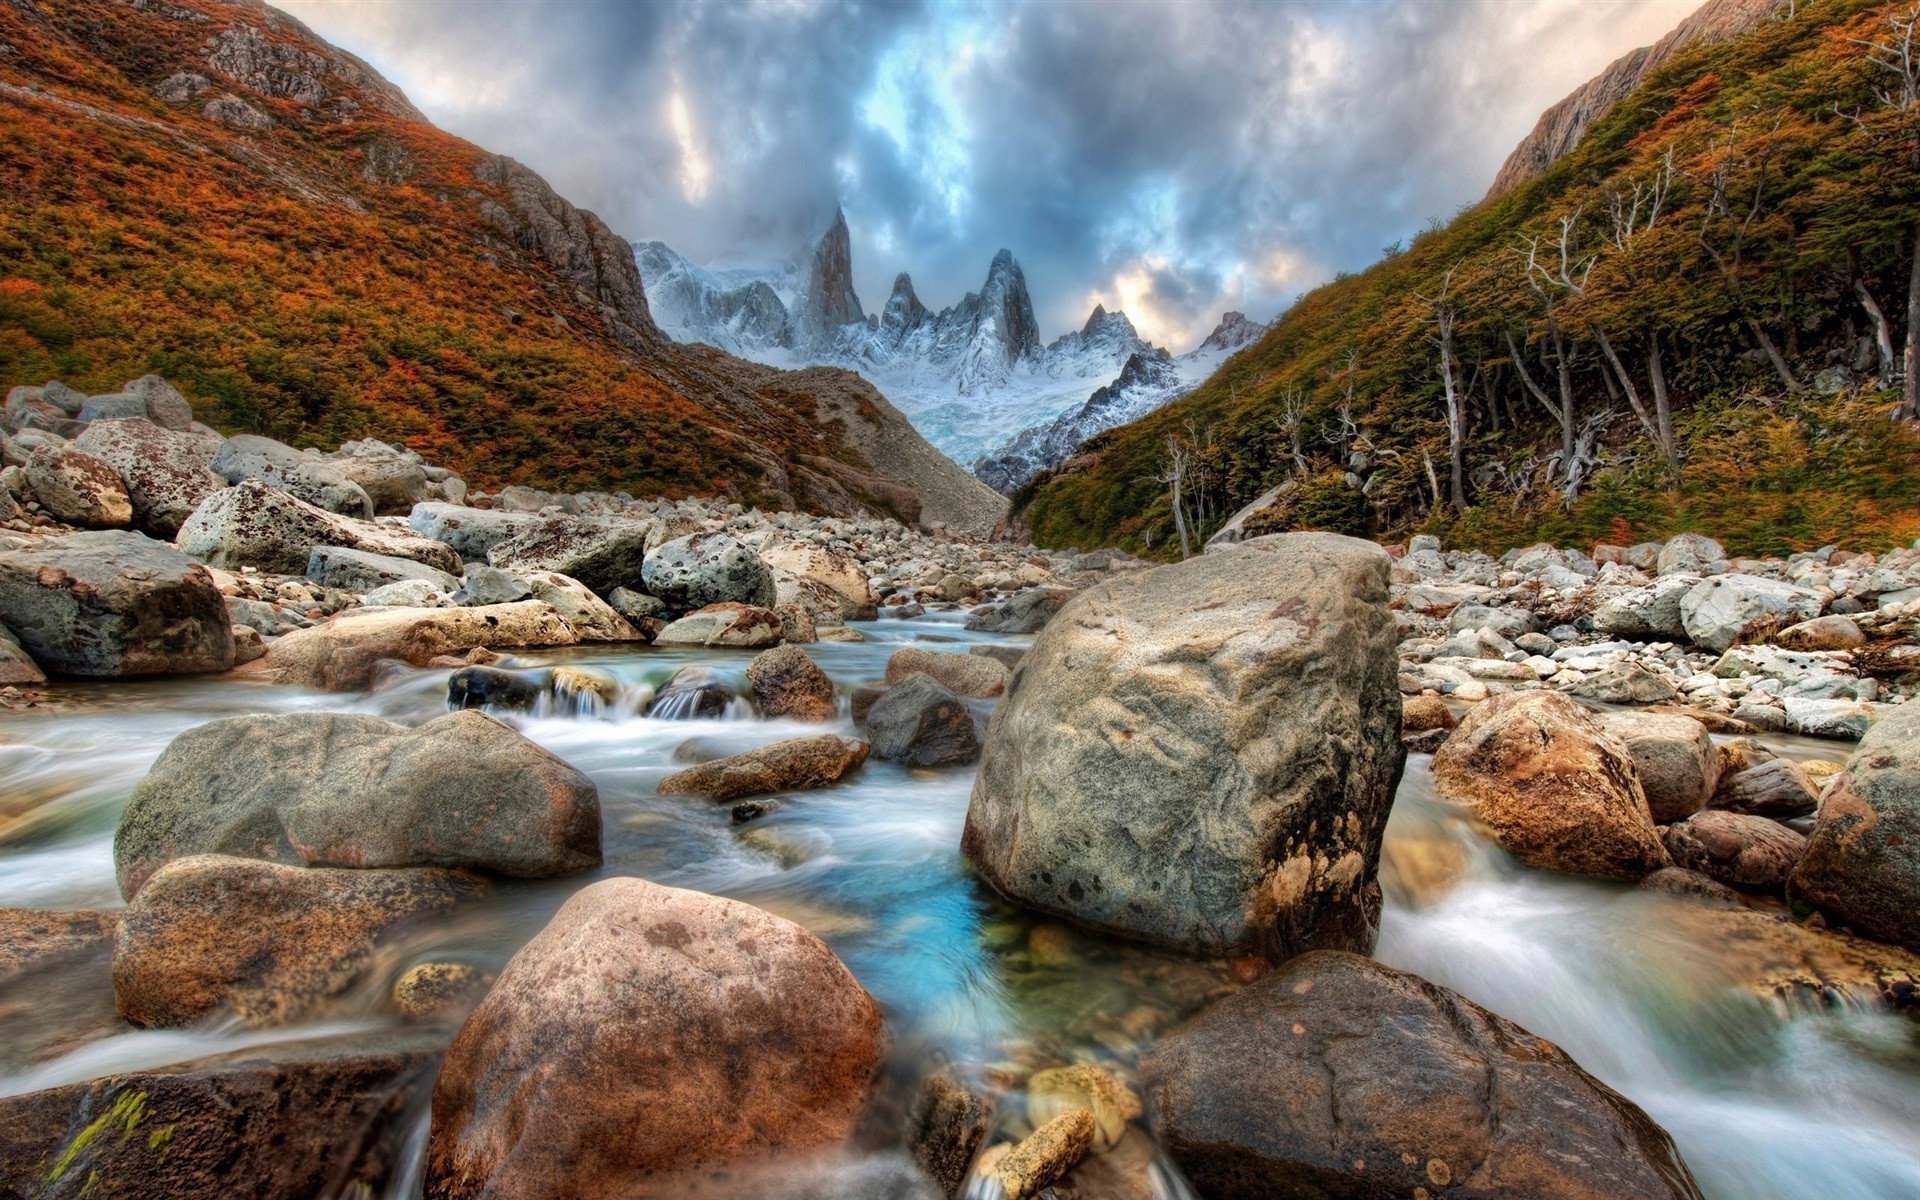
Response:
column 1178, row 158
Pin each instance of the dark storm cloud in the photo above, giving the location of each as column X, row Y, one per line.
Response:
column 1174, row 159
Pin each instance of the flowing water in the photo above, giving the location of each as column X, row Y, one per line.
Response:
column 1768, row 1101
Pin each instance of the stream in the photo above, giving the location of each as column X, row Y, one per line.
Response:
column 1766, row 1100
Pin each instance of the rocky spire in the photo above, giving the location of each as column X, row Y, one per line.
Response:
column 1005, row 303
column 904, row 310
column 1233, row 332
column 828, row 304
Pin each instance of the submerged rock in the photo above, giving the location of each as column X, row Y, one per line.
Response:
column 692, row 692
column 1862, row 865
column 1552, row 786
column 646, row 1037
column 1203, row 755
column 1334, row 1076
column 492, row 687
column 786, row 766
column 340, row 790
column 271, row 943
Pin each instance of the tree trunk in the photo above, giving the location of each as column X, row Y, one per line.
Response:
column 1882, row 336
column 1565, row 370
column 1910, row 395
column 1456, row 425
column 1180, row 517
column 1662, row 404
column 1772, row 351
column 1632, row 392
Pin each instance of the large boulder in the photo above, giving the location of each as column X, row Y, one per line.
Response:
column 1203, row 755
column 394, row 479
column 591, row 617
column 1778, row 788
column 645, row 1037
column 744, row 626
column 792, row 765
column 1026, row 611
column 255, row 525
column 1741, row 851
column 78, row 488
column 271, row 943
column 341, row 654
column 353, row 570
column 1646, row 612
column 300, row 473
column 708, row 568
column 921, row 724
column 342, row 790
column 1862, row 864
column 832, row 570
column 165, row 472
column 1556, row 790
column 787, row 683
column 472, row 532
column 1726, row 609
column 604, row 555
column 287, row 1121
column 1674, row 758
column 114, row 603
column 162, row 403
column 1337, row 1078
column 962, row 674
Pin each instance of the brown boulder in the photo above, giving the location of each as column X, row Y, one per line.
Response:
column 1778, row 788
column 31, row 938
column 1423, row 713
column 78, row 488
column 962, row 674
column 646, row 1037
column 1337, row 1078
column 340, row 655
column 1862, row 865
column 1554, row 788
column 786, row 766
column 1674, row 757
column 1738, row 850
column 271, row 943
column 787, row 683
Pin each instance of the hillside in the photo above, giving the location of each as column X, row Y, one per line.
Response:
column 1695, row 318
column 210, row 191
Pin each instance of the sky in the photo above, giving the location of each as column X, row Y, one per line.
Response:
column 1174, row 160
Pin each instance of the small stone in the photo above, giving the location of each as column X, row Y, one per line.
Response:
column 1046, row 1155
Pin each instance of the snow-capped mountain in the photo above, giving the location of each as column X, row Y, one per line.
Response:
column 1149, row 379
column 968, row 376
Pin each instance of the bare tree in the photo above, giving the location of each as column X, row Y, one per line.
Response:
column 1445, row 318
column 1739, row 216
column 1293, row 414
column 1899, row 56
column 1179, row 458
column 1555, row 270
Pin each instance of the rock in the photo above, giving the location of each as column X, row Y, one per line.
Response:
column 1553, row 787
column 1725, row 609
column 693, row 692
column 339, row 790
column 283, row 1121
column 1741, row 851
column 165, row 473
column 298, row 473
column 271, row 943
column 482, row 584
column 1675, row 759
column 1045, row 1156
column 1777, row 789
column 604, row 555
column 646, row 1037
column 29, row 407
column 78, row 488
column 948, row 1121
column 407, row 593
column 1203, row 755
column 1821, row 633
column 590, row 616
column 1419, row 714
column 1841, row 719
column 114, row 603
column 340, row 654
column 1690, row 554
column 921, row 724
column 636, row 606
column 1084, row 1086
column 1624, row 683
column 584, row 690
column 491, row 687
column 353, row 570
column 112, row 405
column 248, row 645
column 472, row 532
column 1027, row 611
column 1508, row 623
column 1007, row 656
column 828, row 568
column 1646, row 612
column 16, row 665
column 394, row 480
column 787, row 766
column 1862, row 865
column 1801, row 966
column 164, row 405
column 254, row 525
column 1334, row 1076
column 31, row 938
column 702, row 569
column 796, row 624
column 439, row 992
column 787, row 683
column 1674, row 881
column 961, row 674
column 725, row 624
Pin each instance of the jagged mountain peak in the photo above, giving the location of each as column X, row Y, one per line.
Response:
column 827, row 303
column 1234, row 331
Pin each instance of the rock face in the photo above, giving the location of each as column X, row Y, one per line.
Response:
column 1862, row 864
column 280, row 1122
column 921, row 724
column 787, row 766
column 1556, row 790
column 692, row 572
column 78, row 488
column 787, row 683
column 1735, row 849
column 341, row 654
column 339, row 790
column 114, row 603
column 647, row 1036
column 255, row 525
column 272, row 943
column 165, row 472
column 1203, row 755
column 1335, row 1077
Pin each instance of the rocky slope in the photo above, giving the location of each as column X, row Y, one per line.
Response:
column 212, row 190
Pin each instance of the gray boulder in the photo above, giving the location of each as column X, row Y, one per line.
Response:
column 1624, row 683
column 340, row 790
column 490, row 585
column 1203, row 755
column 1690, row 554
column 1725, row 609
column 299, row 473
column 593, row 618
column 114, row 603
column 922, row 724
column 692, row 572
column 166, row 473
column 78, row 488
column 254, row 524
column 164, row 405
column 1646, row 612
column 472, row 532
column 111, row 406
column 1026, row 612
column 604, row 555
column 393, row 478
column 1862, row 864
column 353, row 570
